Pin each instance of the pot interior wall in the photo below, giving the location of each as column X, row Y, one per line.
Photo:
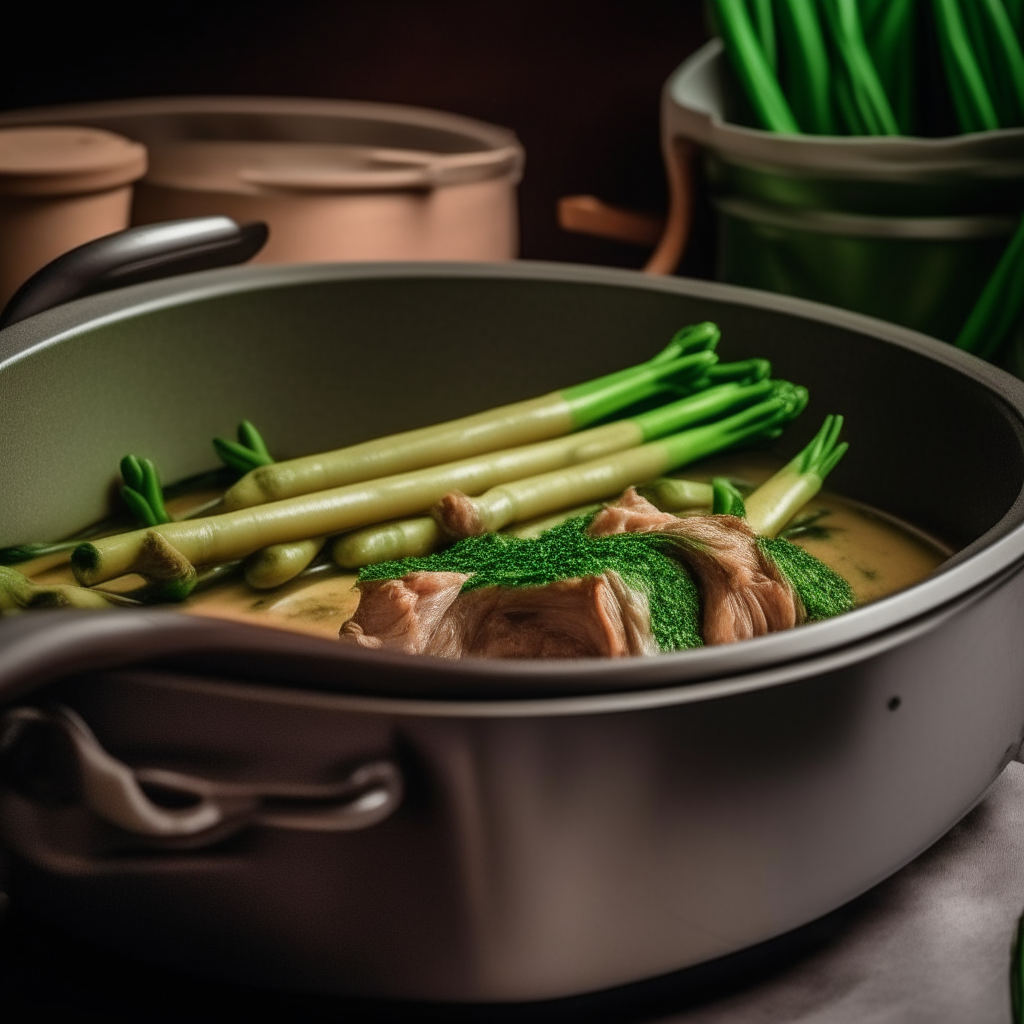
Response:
column 320, row 363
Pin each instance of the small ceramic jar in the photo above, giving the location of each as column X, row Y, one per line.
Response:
column 60, row 187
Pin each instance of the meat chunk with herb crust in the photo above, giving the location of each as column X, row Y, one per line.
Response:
column 743, row 592
column 425, row 613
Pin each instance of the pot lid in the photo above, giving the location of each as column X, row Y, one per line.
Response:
column 256, row 167
column 50, row 161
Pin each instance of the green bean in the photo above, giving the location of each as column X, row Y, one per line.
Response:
column 1015, row 13
column 806, row 66
column 890, row 30
column 999, row 306
column 752, row 67
column 999, row 57
column 764, row 26
column 971, row 99
column 866, row 92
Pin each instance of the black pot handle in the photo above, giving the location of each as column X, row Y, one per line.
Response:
column 139, row 254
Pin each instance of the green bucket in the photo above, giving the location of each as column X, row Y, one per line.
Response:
column 905, row 229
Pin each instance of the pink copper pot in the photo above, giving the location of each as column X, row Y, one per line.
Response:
column 334, row 180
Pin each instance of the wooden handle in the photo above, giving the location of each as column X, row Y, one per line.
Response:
column 669, row 252
column 588, row 215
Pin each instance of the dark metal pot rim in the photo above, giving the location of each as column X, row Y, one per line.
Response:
column 983, row 561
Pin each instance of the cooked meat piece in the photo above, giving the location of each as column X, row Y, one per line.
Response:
column 403, row 614
column 743, row 593
column 596, row 616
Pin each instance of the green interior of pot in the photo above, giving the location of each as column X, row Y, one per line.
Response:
column 318, row 362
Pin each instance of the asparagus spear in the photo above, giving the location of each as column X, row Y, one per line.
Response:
column 142, row 492
column 779, row 498
column 806, row 69
column 275, row 565
column 386, row 542
column 239, row 533
column 537, row 419
column 18, row 592
column 726, row 499
column 601, row 478
column 671, row 495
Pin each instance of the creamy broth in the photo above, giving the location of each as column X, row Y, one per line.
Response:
column 877, row 553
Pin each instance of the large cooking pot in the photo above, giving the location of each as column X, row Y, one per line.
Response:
column 278, row 808
column 334, row 179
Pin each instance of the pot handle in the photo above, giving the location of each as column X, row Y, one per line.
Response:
column 589, row 215
column 139, row 254
column 117, row 794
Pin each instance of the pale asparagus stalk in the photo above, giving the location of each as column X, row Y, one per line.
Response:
column 537, row 419
column 533, row 528
column 386, row 542
column 780, row 497
column 275, row 565
column 413, row 538
column 532, row 497
column 672, row 495
column 410, row 538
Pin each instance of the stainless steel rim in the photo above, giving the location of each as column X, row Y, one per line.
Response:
column 978, row 564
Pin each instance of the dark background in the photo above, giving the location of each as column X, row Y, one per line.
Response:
column 579, row 82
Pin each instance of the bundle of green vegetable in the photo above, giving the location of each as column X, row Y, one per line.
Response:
column 865, row 67
column 859, row 67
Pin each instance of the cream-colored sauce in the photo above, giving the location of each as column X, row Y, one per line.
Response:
column 875, row 552
column 316, row 604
